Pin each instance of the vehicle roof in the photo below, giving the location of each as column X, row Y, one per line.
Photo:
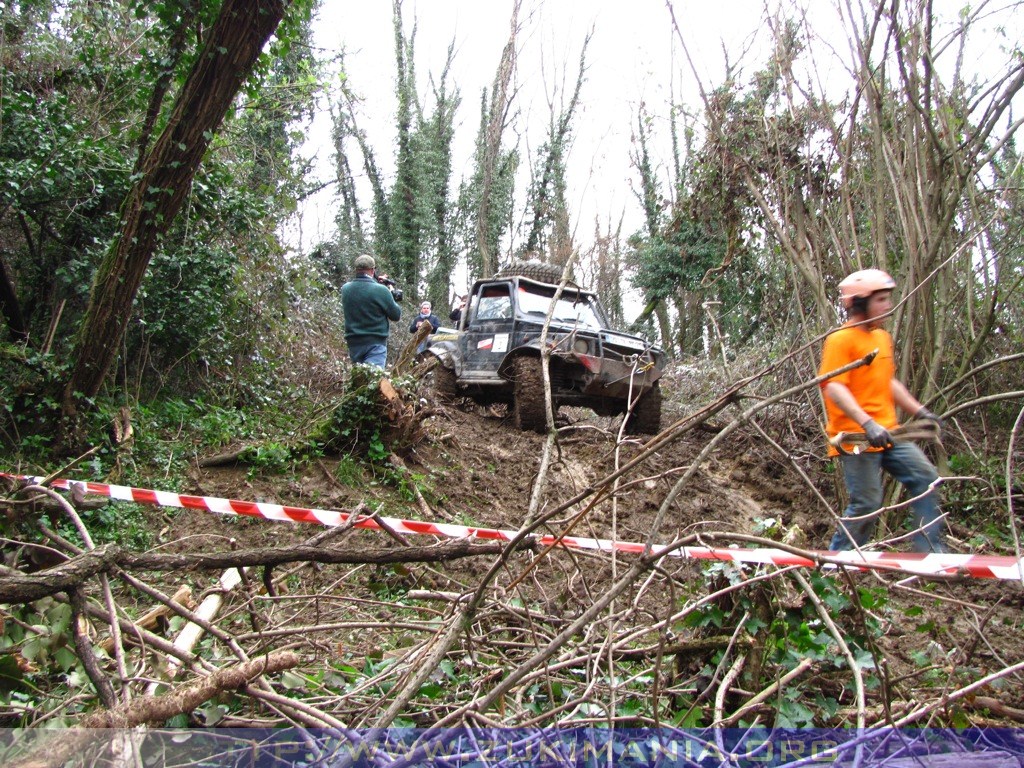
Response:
column 570, row 286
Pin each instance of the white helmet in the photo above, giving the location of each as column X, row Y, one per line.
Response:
column 863, row 283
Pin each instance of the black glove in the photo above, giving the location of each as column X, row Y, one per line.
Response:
column 924, row 413
column 878, row 436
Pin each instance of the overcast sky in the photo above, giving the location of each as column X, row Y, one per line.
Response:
column 634, row 57
column 630, row 61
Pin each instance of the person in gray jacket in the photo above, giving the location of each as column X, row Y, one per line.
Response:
column 368, row 306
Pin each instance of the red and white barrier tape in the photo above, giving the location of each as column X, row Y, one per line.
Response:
column 978, row 566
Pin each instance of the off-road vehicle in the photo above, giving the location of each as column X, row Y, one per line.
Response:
column 494, row 353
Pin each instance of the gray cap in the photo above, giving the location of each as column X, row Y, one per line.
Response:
column 365, row 262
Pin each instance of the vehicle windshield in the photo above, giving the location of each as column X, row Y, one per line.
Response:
column 571, row 309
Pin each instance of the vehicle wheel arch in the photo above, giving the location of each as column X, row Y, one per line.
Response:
column 447, row 356
column 507, row 364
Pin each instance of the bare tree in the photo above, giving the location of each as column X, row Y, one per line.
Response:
column 497, row 119
column 890, row 173
column 547, row 210
column 934, row 132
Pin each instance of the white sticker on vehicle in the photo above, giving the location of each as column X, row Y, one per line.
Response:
column 500, row 342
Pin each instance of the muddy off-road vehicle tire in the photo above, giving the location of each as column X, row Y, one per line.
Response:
column 446, row 388
column 535, row 270
column 528, row 411
column 646, row 416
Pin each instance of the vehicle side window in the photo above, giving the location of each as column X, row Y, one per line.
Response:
column 469, row 311
column 495, row 304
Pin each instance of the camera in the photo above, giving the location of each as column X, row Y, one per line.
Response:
column 392, row 286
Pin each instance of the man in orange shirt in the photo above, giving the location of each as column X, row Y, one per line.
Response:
column 864, row 400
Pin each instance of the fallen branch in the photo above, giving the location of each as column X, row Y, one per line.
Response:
column 975, row 760
column 683, row 648
column 153, row 710
column 25, row 588
column 193, row 631
column 223, row 459
column 151, row 619
column 407, row 356
column 763, row 696
column 997, row 708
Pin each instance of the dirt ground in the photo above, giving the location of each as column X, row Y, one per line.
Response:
column 471, row 467
column 476, row 468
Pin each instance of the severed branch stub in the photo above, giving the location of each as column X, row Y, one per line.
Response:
column 161, row 613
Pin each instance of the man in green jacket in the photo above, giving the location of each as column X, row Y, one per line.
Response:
column 368, row 306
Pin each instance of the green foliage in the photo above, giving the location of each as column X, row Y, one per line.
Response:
column 181, row 311
column 691, row 255
column 790, row 630
column 88, row 89
column 433, row 142
column 168, row 433
column 349, row 471
column 287, row 65
column 405, row 482
column 269, row 457
column 129, row 525
column 38, row 665
column 206, row 424
column 793, row 712
column 359, row 421
column 982, row 500
column 29, row 382
column 676, row 260
column 60, row 184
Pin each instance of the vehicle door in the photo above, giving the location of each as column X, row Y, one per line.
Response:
column 488, row 331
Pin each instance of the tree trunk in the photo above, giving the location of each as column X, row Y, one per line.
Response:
column 665, row 326
column 10, row 308
column 227, row 58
